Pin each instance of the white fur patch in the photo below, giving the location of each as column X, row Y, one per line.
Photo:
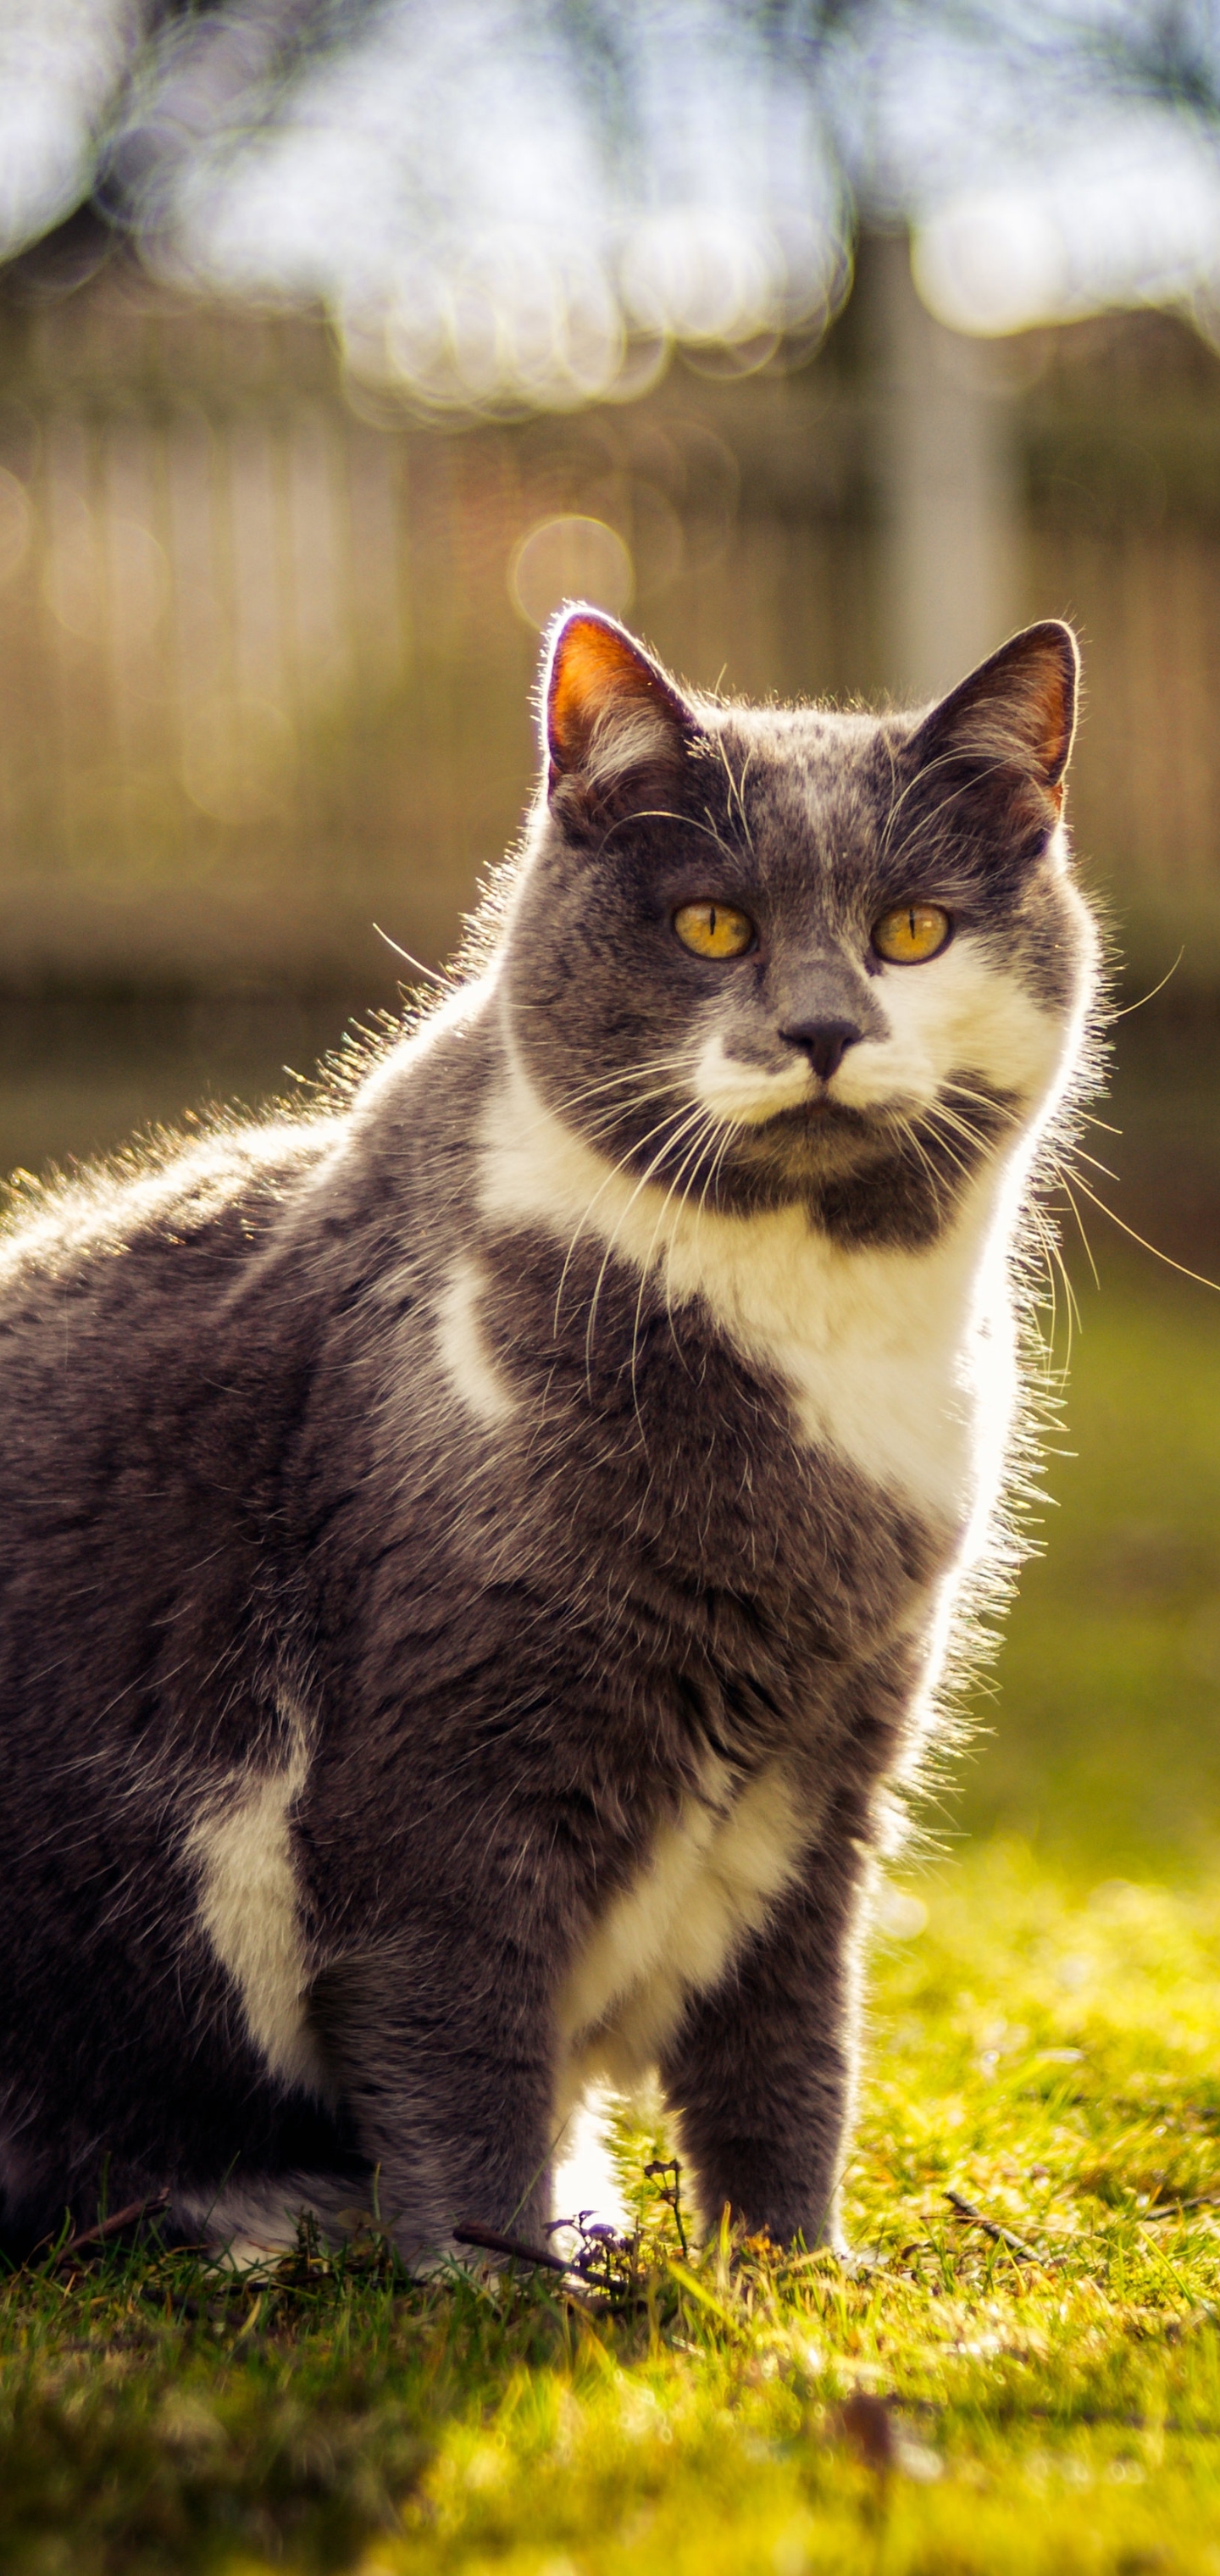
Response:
column 901, row 1361
column 955, row 1010
column 254, row 2220
column 710, row 1880
column 748, row 1093
column 242, row 1845
column 471, row 1369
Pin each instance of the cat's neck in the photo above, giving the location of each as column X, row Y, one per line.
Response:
column 902, row 1359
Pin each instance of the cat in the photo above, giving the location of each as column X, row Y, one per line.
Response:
column 477, row 1559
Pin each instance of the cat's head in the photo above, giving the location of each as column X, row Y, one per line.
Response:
column 770, row 953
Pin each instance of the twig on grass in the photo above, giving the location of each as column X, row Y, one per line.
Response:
column 110, row 2226
column 489, row 2241
column 1178, row 2208
column 999, row 2235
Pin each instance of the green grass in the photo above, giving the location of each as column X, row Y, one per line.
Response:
column 1102, row 1742
column 1053, row 2058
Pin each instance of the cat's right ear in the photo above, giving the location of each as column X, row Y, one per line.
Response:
column 612, row 719
column 1008, row 727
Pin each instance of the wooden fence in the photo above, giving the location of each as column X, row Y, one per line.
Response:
column 263, row 681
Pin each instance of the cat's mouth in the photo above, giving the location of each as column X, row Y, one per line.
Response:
column 821, row 1115
column 899, row 1146
column 807, row 1147
column 810, row 1142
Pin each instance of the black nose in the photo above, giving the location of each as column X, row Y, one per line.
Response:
column 825, row 1042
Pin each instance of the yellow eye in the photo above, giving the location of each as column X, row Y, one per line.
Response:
column 912, row 932
column 714, row 929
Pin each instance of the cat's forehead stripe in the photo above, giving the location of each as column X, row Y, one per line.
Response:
column 812, row 795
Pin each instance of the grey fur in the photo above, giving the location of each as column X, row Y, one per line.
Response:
column 255, row 1545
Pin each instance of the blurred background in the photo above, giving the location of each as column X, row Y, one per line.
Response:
column 340, row 340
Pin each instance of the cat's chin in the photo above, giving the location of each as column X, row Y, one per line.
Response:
column 797, row 1154
column 867, row 1175
column 821, row 1136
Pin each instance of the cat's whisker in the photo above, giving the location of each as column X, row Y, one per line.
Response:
column 671, row 1062
column 615, row 1171
column 938, row 1121
column 1005, row 1110
column 629, row 1089
column 926, row 770
column 690, row 1118
column 730, row 1131
column 611, row 1120
column 980, row 1136
column 956, row 1161
column 920, row 779
column 917, row 1141
column 704, row 1134
column 913, row 1138
column 661, row 814
column 694, row 1118
column 1069, row 1194
column 712, row 1175
column 1200, row 1278
column 929, row 1123
column 1052, row 1253
column 939, row 1112
column 1079, row 1156
column 736, row 787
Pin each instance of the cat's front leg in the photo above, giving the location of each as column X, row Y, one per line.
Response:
column 761, row 2069
column 450, row 2089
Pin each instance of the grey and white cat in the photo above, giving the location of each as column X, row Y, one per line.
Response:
column 475, row 1559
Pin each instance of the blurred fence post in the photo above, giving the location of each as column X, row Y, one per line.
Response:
column 946, row 477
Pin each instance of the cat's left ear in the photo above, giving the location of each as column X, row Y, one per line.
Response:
column 1010, row 725
column 610, row 713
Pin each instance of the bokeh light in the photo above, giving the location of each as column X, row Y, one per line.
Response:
column 570, row 558
column 504, row 209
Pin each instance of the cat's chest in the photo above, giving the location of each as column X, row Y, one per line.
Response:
column 734, row 1374
column 898, row 1363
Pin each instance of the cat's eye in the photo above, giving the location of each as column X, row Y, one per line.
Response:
column 714, row 929
column 911, row 933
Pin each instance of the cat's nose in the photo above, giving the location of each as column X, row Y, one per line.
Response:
column 824, row 1042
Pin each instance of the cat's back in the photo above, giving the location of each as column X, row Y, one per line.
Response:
column 127, row 1425
column 193, row 1233
column 96, row 1273
column 171, row 1328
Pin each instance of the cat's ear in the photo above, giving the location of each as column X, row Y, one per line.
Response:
column 1010, row 724
column 610, row 714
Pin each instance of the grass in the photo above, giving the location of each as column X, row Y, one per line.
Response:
column 940, row 2403
column 1101, row 1746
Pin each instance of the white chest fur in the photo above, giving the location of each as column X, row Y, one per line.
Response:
column 902, row 1362
column 710, row 1880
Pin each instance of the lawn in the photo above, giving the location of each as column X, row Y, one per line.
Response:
column 1102, row 1744
column 947, row 2400
column 1039, row 2392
